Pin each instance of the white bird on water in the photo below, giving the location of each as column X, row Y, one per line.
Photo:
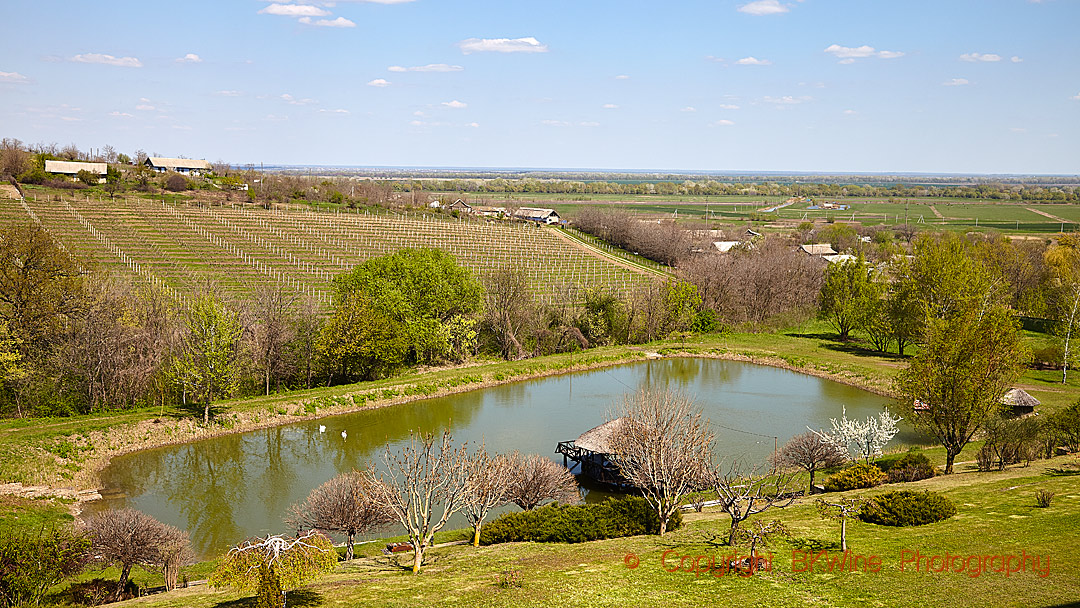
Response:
column 322, row 428
column 344, row 434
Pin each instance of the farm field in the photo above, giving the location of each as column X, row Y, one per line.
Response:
column 178, row 245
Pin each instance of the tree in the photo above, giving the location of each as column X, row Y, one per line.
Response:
column 843, row 509
column 270, row 324
column 425, row 476
column 488, row 480
column 866, row 437
column 509, row 310
column 535, row 480
column 809, row 452
column 32, row 562
column 273, row 563
column 744, row 494
column 345, row 504
column 207, row 366
column 176, row 183
column 848, row 294
column 759, row 533
column 360, row 341
column 126, row 537
column 1063, row 260
column 663, row 448
column 954, row 385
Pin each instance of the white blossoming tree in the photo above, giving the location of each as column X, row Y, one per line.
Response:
column 864, row 438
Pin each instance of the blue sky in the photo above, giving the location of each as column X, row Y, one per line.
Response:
column 945, row 86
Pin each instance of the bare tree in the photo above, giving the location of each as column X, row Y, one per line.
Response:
column 126, row 537
column 843, row 509
column 426, row 476
column 270, row 327
column 345, row 504
column 759, row 533
column 743, row 495
column 663, row 447
column 509, row 310
column 535, row 480
column 809, row 452
column 488, row 481
column 307, row 325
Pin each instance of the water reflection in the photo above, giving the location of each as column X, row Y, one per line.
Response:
column 225, row 489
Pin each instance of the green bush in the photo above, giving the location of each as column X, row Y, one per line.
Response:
column 907, row 508
column 555, row 523
column 856, row 476
column 912, row 467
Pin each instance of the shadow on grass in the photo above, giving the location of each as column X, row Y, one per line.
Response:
column 1065, row 471
column 832, row 342
column 294, row 599
column 814, row 545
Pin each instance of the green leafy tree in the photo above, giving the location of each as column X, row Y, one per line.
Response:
column 207, row 366
column 848, row 295
column 954, row 385
column 31, row 562
column 361, row 340
column 254, row 565
column 1063, row 260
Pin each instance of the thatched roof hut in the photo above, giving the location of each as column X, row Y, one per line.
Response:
column 1019, row 400
column 599, row 440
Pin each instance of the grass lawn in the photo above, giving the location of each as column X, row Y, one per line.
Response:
column 996, row 516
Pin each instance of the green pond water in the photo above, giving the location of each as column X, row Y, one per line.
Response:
column 225, row 489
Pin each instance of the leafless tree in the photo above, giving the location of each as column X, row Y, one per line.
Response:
column 14, row 158
column 509, row 310
column 346, row 504
column 759, row 533
column 126, row 537
column 535, row 480
column 809, row 452
column 663, row 447
column 744, row 494
column 306, row 327
column 488, row 482
column 426, row 476
column 269, row 328
column 843, row 509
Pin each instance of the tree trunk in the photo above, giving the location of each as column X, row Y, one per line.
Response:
column 663, row 525
column 206, row 412
column 349, row 547
column 122, row 582
column 476, row 534
column 843, row 534
column 950, row 456
column 418, row 556
column 731, row 533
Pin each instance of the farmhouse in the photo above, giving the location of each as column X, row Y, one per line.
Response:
column 839, row 258
column 540, row 216
column 726, row 246
column 817, row 249
column 72, row 168
column 461, row 206
column 489, row 211
column 162, row 164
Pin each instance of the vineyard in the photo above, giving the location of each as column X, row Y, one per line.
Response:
column 180, row 246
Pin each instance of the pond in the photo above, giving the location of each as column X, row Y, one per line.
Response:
column 225, row 489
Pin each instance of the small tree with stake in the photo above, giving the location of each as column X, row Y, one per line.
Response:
column 273, row 565
column 759, row 533
column 743, row 495
column 843, row 509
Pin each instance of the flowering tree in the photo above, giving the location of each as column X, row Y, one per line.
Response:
column 866, row 437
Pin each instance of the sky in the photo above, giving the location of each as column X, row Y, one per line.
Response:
column 941, row 86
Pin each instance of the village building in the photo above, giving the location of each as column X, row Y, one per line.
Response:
column 839, row 258
column 489, row 211
column 460, row 206
column 72, row 168
column 726, row 246
column 818, row 249
column 540, row 216
column 189, row 166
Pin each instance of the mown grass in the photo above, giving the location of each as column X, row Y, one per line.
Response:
column 996, row 516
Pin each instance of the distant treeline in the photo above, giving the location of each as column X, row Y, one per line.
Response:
column 990, row 191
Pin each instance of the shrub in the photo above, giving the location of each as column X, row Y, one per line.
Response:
column 176, row 183
column 912, row 467
column 1043, row 498
column 557, row 523
column 859, row 475
column 95, row 592
column 907, row 508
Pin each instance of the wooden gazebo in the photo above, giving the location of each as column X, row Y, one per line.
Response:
column 593, row 456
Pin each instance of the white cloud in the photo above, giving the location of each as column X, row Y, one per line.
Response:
column 337, row 111
column 416, row 123
column 1075, row 97
column 431, row 67
column 848, row 54
column 688, row 109
column 296, row 102
column 956, row 82
column 1018, row 129
column 728, row 106
column 763, row 7
column 787, row 100
column 190, row 58
column 294, row 10
column 142, row 107
column 379, row 82
column 121, row 114
column 555, row 123
column 502, row 45
column 753, row 61
column 455, row 104
column 418, row 113
column 13, row 77
column 123, row 62
column 721, row 123
column 474, row 125
column 622, row 77
column 850, row 112
column 1016, row 59
column 228, row 93
column 988, row 57
column 847, row 61
column 610, row 106
column 589, row 123
column 339, row 22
